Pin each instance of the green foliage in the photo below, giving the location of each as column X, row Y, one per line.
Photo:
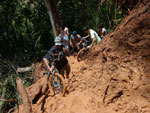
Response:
column 22, row 22
column 25, row 32
column 95, row 13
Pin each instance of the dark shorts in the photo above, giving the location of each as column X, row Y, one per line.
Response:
column 66, row 69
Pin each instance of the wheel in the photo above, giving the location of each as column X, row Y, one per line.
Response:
column 82, row 54
column 57, row 84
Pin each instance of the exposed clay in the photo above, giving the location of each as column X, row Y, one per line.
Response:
column 114, row 78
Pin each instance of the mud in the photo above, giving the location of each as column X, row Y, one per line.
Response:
column 114, row 78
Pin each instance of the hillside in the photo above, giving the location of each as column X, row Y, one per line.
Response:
column 115, row 76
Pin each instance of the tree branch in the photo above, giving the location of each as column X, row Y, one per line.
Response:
column 147, row 8
column 25, row 69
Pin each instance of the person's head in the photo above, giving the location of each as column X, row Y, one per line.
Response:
column 86, row 29
column 63, row 26
column 58, row 42
column 74, row 33
column 100, row 27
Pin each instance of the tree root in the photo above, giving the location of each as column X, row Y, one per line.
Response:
column 116, row 96
column 147, row 8
column 105, row 93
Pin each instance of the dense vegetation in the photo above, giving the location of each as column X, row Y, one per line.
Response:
column 26, row 33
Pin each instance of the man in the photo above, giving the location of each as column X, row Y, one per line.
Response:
column 62, row 65
column 65, row 30
column 92, row 37
column 75, row 41
column 102, row 31
column 64, row 34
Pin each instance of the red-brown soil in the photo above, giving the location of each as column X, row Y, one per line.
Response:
column 114, row 78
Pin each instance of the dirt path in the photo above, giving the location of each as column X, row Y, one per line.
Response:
column 81, row 98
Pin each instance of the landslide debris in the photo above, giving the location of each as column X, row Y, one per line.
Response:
column 115, row 77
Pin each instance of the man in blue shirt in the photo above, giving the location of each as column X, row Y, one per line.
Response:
column 62, row 65
column 75, row 41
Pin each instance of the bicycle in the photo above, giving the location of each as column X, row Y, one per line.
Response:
column 83, row 51
column 56, row 81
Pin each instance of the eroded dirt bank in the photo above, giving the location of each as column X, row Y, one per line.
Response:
column 114, row 78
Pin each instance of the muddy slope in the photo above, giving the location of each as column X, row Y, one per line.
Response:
column 115, row 77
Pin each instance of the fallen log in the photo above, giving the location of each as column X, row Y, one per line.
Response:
column 23, row 93
column 25, row 69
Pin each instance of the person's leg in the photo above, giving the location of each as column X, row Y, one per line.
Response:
column 75, row 49
column 61, row 71
column 67, row 69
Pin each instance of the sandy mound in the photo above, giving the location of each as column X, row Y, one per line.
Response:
column 115, row 76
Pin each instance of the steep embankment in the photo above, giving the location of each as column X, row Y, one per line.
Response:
column 115, row 77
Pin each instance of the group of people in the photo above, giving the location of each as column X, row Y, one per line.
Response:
column 90, row 38
column 64, row 43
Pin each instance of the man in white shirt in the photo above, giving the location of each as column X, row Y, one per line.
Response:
column 101, row 31
column 64, row 34
column 92, row 36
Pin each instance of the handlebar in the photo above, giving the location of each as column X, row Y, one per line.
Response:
column 59, row 55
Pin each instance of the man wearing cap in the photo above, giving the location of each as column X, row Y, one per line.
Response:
column 75, row 40
column 62, row 65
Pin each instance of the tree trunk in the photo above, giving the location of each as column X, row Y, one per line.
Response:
column 54, row 16
column 83, row 13
column 115, row 18
column 108, row 14
column 25, row 99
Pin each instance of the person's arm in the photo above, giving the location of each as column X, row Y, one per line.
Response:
column 86, row 36
column 45, row 60
column 71, row 44
column 81, row 39
column 80, row 42
column 93, row 40
column 47, row 56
